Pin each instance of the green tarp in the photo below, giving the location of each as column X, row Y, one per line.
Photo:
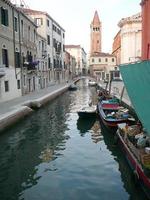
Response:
column 136, row 78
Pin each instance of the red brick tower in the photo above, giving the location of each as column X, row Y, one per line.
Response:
column 95, row 35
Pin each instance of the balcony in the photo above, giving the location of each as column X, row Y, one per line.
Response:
column 2, row 71
column 31, row 65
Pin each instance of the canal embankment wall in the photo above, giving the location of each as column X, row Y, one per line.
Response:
column 25, row 108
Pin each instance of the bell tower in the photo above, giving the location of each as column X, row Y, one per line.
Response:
column 95, row 46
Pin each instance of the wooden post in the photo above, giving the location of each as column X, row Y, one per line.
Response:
column 110, row 86
column 122, row 92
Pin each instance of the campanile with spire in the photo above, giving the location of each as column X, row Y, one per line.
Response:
column 95, row 46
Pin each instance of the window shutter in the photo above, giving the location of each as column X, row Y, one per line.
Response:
column 6, row 17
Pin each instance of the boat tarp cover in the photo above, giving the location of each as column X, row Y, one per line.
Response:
column 136, row 78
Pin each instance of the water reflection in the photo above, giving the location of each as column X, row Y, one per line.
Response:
column 96, row 134
column 85, row 124
column 38, row 139
column 46, row 156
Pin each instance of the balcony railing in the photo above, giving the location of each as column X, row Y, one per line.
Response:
column 2, row 71
column 31, row 65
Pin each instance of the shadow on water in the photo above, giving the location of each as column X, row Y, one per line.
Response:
column 85, row 124
column 38, row 139
column 133, row 190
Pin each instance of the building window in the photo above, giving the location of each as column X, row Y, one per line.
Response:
column 4, row 16
column 48, row 39
column 34, row 36
column 92, row 59
column 29, row 33
column 113, row 59
column 6, row 86
column 24, row 79
column 54, row 61
column 99, row 59
column 39, row 21
column 5, row 57
column 43, row 46
column 54, row 28
column 16, row 24
column 17, row 59
column 49, row 62
column 106, row 59
column 63, row 35
column 47, row 22
column 54, row 41
column 18, row 84
column 22, row 29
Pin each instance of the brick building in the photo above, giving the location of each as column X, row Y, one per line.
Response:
column 145, row 4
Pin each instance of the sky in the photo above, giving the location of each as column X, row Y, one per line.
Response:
column 75, row 16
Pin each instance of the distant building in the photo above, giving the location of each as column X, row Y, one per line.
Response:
column 55, row 39
column 80, row 55
column 116, row 50
column 95, row 35
column 70, row 66
column 43, row 63
column 130, row 33
column 100, row 64
column 145, row 4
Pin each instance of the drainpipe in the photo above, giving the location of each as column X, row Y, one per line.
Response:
column 20, row 60
column 14, row 40
column 53, row 73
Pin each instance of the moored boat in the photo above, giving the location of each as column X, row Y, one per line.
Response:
column 73, row 87
column 89, row 111
column 136, row 147
column 136, row 80
column 112, row 114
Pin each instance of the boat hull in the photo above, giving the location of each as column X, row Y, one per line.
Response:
column 139, row 174
column 88, row 115
column 111, row 123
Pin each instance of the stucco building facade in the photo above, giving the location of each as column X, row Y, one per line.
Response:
column 48, row 28
column 130, row 33
column 116, row 49
column 81, row 58
column 18, row 52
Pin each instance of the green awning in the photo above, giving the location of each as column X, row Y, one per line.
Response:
column 136, row 78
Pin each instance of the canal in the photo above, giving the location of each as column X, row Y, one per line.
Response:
column 54, row 155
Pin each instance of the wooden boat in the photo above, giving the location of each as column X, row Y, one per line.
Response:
column 113, row 114
column 136, row 152
column 89, row 111
column 72, row 87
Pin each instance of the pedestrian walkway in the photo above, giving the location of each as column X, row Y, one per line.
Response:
column 13, row 104
column 15, row 109
column 116, row 90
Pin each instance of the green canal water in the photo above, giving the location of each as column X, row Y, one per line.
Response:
column 54, row 155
